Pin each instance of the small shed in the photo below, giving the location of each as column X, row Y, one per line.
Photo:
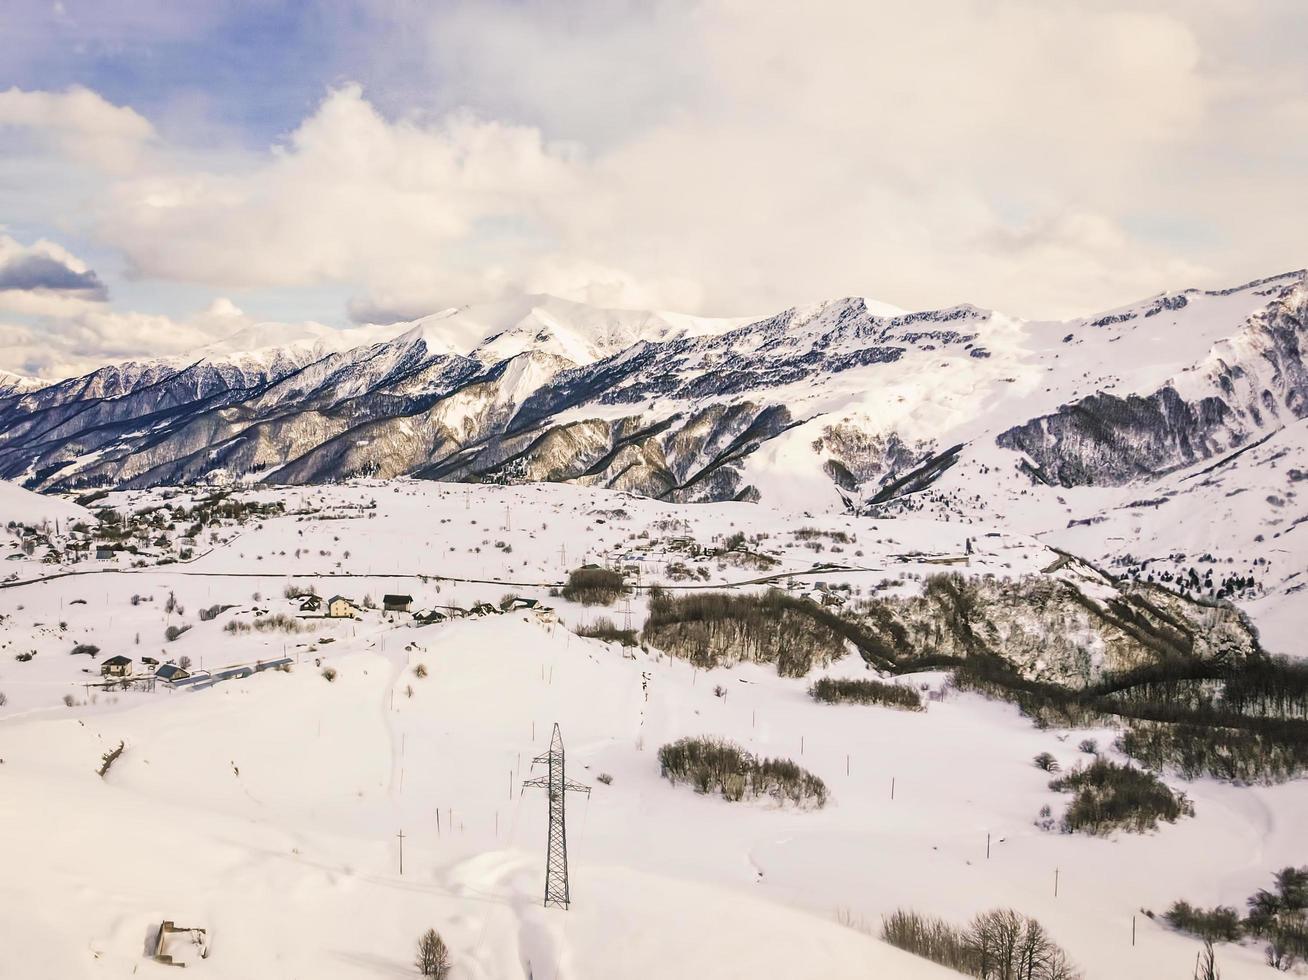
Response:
column 396, row 603
column 116, row 666
column 340, row 607
column 104, row 554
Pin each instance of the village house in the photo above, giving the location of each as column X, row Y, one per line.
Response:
column 396, row 603
column 339, row 607
column 104, row 554
column 310, row 604
column 171, row 673
column 116, row 666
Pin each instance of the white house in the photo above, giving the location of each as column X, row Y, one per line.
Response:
column 339, row 607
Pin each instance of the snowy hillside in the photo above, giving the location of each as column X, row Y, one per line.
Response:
column 25, row 507
column 266, row 808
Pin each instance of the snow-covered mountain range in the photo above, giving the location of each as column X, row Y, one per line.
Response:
column 833, row 405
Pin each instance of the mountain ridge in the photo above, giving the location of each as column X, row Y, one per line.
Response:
column 542, row 388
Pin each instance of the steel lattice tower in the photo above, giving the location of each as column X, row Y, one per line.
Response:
column 558, row 785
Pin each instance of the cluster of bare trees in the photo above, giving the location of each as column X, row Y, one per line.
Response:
column 1278, row 916
column 718, row 765
column 713, row 628
column 997, row 945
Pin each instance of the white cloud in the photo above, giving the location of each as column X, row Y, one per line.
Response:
column 81, row 123
column 733, row 157
column 65, row 344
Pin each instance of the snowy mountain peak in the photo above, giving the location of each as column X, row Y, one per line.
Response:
column 17, row 384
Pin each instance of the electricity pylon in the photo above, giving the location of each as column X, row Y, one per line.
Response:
column 558, row 785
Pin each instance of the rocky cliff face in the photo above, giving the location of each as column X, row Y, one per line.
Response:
column 1250, row 384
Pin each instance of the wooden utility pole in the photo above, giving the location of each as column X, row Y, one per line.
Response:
column 400, row 835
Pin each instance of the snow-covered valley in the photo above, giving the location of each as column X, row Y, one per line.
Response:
column 266, row 808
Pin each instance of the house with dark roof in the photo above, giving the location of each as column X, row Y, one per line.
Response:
column 171, row 673
column 396, row 603
column 117, row 666
column 340, row 607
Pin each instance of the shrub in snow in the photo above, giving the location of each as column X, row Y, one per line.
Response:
column 717, row 765
column 3, row 700
column 420, row 670
column 433, row 959
column 1112, row 797
column 173, row 632
column 278, row 622
column 1221, row 923
column 1279, row 916
column 90, row 649
column 594, row 586
column 603, row 777
column 1046, row 819
column 604, row 629
column 1089, row 746
column 865, row 691
column 68, row 701
column 1046, row 761
column 329, row 673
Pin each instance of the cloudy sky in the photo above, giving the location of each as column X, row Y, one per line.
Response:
column 175, row 171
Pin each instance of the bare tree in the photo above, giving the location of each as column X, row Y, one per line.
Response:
column 1205, row 967
column 433, row 959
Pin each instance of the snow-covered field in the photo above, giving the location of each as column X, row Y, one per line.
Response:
column 266, row 809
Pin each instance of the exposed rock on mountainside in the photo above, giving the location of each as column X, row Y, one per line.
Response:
column 839, row 405
column 1250, row 384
